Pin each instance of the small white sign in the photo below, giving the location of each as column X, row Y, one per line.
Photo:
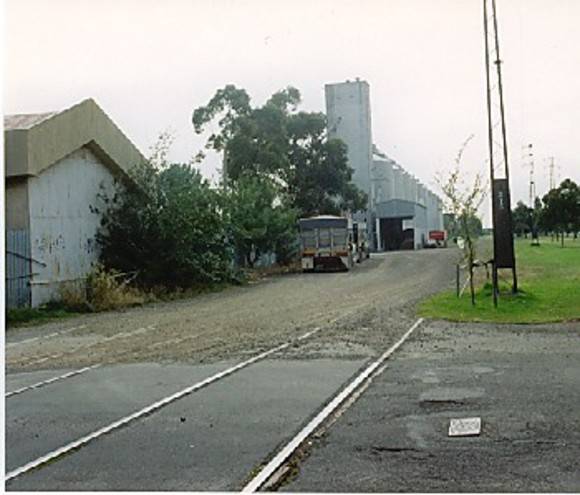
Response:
column 464, row 427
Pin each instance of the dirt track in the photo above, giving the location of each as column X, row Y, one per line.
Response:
column 364, row 310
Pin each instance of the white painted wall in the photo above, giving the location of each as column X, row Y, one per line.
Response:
column 62, row 225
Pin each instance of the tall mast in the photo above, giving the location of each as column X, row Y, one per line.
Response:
column 503, row 241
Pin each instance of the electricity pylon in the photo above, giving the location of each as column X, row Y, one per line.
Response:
column 552, row 175
column 528, row 159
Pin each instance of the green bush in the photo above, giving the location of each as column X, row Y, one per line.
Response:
column 168, row 228
column 259, row 222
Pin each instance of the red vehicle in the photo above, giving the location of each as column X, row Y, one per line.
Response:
column 437, row 238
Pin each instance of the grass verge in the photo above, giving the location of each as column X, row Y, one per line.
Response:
column 18, row 317
column 549, row 279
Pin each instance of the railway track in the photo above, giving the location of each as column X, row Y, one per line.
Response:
column 83, row 348
column 271, row 468
column 10, row 345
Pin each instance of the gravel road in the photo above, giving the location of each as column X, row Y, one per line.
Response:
column 356, row 307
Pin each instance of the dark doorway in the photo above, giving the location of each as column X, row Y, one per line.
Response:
column 393, row 237
column 408, row 239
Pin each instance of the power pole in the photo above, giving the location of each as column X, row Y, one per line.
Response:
column 503, row 239
column 530, row 163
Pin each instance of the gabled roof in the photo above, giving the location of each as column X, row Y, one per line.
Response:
column 34, row 142
column 25, row 120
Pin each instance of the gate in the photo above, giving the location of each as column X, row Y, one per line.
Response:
column 18, row 268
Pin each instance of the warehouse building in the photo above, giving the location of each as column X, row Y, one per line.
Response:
column 57, row 165
column 401, row 210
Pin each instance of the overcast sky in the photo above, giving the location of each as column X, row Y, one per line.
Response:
column 150, row 63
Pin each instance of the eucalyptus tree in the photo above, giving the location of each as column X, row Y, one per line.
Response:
column 276, row 141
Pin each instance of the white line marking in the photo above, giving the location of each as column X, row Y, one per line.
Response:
column 291, row 446
column 43, row 337
column 88, row 346
column 142, row 412
column 52, row 380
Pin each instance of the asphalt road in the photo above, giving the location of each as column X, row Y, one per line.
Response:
column 391, row 439
column 522, row 381
column 214, row 438
column 210, row 440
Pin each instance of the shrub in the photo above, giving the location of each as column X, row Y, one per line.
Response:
column 169, row 229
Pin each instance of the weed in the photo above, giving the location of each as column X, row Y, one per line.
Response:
column 107, row 290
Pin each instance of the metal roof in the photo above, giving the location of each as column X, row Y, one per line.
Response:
column 33, row 142
column 25, row 120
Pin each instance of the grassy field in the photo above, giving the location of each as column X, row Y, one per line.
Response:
column 549, row 279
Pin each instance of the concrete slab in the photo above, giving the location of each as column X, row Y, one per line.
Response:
column 524, row 382
column 210, row 440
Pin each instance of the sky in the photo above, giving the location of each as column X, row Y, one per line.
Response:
column 149, row 64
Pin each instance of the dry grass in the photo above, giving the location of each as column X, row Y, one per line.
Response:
column 107, row 290
column 104, row 290
column 260, row 273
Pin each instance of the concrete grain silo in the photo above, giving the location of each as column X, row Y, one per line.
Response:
column 401, row 210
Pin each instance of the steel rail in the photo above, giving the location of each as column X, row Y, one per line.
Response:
column 89, row 346
column 52, row 380
column 85, row 369
column 51, row 456
column 339, row 399
column 145, row 411
column 43, row 337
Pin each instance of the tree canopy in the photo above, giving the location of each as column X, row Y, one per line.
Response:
column 278, row 142
column 561, row 212
column 523, row 218
column 258, row 222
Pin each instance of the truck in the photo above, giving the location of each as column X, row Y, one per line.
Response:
column 331, row 242
column 437, row 238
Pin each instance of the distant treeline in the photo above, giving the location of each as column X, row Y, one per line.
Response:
column 557, row 213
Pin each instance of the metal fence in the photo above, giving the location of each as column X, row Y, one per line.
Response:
column 18, row 268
